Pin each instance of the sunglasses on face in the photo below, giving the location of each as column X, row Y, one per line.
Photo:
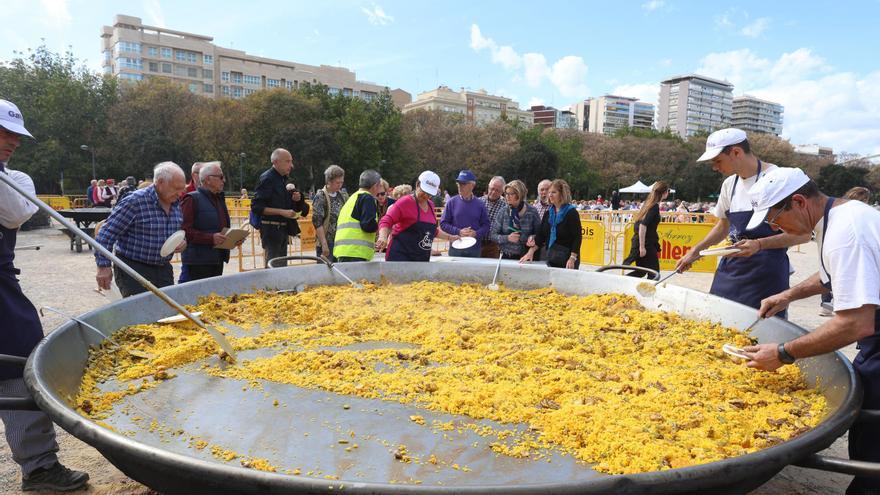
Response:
column 382, row 194
column 221, row 176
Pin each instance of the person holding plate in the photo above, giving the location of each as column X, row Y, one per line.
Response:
column 516, row 224
column 760, row 267
column 466, row 216
column 138, row 228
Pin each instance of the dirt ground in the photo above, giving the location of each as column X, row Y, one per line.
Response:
column 57, row 277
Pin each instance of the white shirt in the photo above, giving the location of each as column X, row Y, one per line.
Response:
column 850, row 250
column 741, row 200
column 14, row 209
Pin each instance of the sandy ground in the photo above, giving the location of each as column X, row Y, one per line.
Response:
column 56, row 277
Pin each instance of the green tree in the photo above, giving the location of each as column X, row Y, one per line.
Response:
column 65, row 106
column 835, row 180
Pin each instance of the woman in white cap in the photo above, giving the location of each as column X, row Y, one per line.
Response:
column 409, row 227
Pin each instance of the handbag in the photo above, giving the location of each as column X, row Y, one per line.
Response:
column 557, row 255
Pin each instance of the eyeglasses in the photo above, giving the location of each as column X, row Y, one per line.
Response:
column 221, row 176
column 772, row 221
column 381, row 194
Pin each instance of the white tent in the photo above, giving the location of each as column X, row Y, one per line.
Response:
column 637, row 188
column 640, row 188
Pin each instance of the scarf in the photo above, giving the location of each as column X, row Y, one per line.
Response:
column 514, row 217
column 556, row 219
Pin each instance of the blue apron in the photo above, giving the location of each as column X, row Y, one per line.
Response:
column 864, row 439
column 21, row 331
column 749, row 280
column 414, row 243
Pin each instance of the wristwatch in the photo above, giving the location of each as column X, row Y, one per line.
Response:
column 784, row 356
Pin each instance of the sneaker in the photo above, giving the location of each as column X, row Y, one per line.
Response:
column 55, row 477
column 826, row 312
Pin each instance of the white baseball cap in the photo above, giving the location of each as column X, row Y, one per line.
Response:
column 772, row 188
column 719, row 139
column 429, row 182
column 11, row 119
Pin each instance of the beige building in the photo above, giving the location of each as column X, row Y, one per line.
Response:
column 606, row 114
column 693, row 103
column 757, row 115
column 134, row 51
column 477, row 107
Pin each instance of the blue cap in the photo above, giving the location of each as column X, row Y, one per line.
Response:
column 466, row 176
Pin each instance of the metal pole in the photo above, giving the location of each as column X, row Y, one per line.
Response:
column 94, row 175
column 217, row 336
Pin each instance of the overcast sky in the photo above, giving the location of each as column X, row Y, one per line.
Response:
column 819, row 59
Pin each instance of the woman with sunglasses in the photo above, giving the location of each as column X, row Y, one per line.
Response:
column 516, row 224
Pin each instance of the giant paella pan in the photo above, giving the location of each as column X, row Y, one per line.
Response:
column 178, row 436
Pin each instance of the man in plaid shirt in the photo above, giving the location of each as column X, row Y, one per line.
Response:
column 138, row 227
column 494, row 202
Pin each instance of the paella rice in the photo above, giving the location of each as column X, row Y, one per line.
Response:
column 599, row 377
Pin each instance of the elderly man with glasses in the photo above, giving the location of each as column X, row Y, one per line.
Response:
column 848, row 234
column 205, row 218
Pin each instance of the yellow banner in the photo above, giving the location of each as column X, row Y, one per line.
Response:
column 593, row 242
column 307, row 236
column 676, row 239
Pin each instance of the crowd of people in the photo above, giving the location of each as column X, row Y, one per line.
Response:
column 762, row 209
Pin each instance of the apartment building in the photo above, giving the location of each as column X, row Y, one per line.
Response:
column 477, row 107
column 814, row 150
column 692, row 103
column 757, row 115
column 134, row 51
column 553, row 117
column 606, row 114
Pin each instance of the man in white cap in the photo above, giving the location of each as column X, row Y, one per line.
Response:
column 761, row 267
column 848, row 234
column 30, row 434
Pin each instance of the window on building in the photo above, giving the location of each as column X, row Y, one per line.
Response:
column 166, row 68
column 154, row 67
column 153, row 51
column 273, row 83
column 180, row 70
column 185, row 56
column 208, row 59
column 194, row 87
column 236, row 77
column 346, row 91
column 108, row 56
column 129, row 63
column 128, row 47
column 333, row 91
column 208, row 88
column 224, row 90
column 237, row 91
column 253, row 80
column 289, row 84
column 108, row 70
column 166, row 52
column 224, row 76
column 131, row 77
column 192, row 72
column 207, row 73
column 249, row 91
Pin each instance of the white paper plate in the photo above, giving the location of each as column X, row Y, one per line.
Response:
column 720, row 251
column 464, row 242
column 172, row 242
column 177, row 318
column 734, row 351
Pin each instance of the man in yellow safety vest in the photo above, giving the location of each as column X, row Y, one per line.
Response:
column 358, row 221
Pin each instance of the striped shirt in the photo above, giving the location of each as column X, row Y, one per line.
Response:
column 138, row 227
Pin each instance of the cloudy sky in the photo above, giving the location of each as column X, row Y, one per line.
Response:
column 818, row 58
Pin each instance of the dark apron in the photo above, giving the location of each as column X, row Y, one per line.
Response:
column 751, row 279
column 414, row 243
column 21, row 331
column 864, row 439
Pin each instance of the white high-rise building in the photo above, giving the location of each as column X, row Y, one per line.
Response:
column 757, row 115
column 606, row 114
column 692, row 103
